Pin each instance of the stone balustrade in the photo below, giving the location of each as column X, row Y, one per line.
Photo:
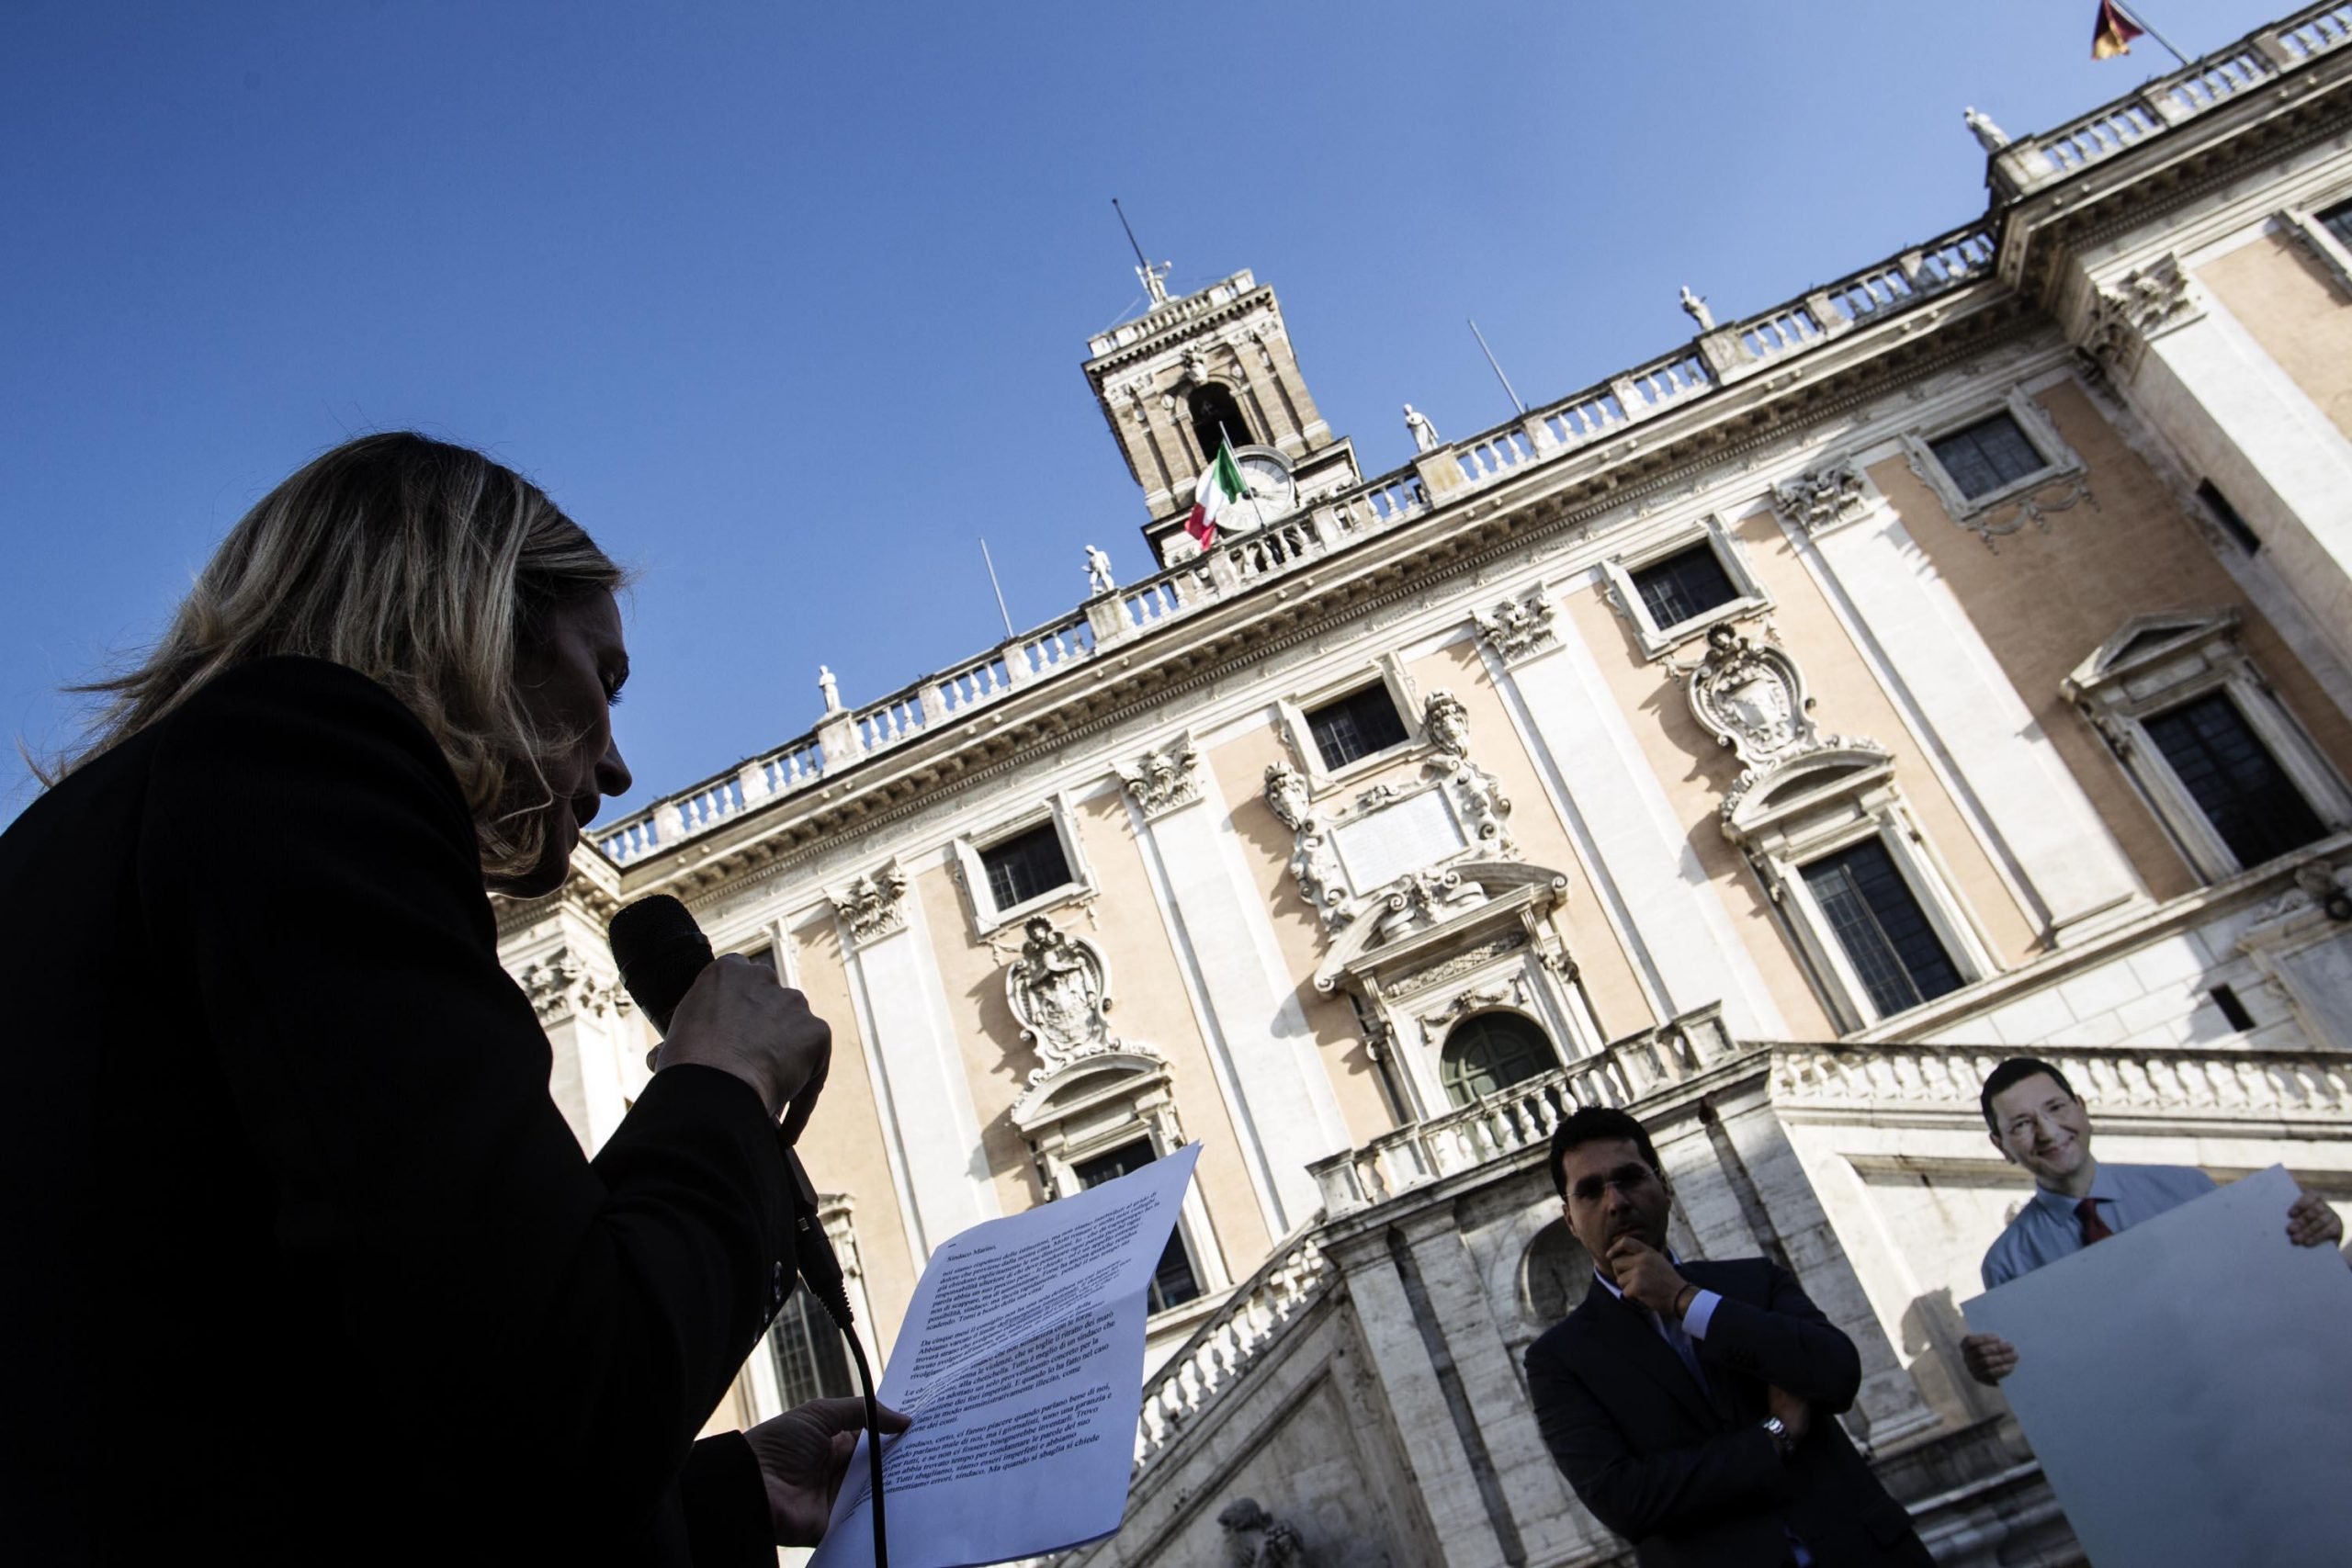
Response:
column 1522, row 1116
column 1240, row 561
column 1223, row 1347
column 2030, row 163
column 2182, row 1084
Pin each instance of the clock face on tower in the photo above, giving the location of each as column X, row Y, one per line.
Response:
column 1271, row 486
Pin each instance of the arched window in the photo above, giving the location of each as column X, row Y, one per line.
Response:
column 1492, row 1051
column 1215, row 416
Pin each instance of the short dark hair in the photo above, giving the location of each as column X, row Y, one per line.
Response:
column 2014, row 1071
column 1598, row 1124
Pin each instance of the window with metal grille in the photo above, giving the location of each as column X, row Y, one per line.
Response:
column 2337, row 221
column 1356, row 726
column 2233, row 779
column 1684, row 586
column 806, row 1349
column 1173, row 1282
column 2233, row 524
column 1987, row 456
column 1879, row 924
column 1025, row 865
column 1491, row 1052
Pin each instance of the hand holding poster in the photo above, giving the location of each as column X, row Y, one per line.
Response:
column 1020, row 1362
column 2187, row 1386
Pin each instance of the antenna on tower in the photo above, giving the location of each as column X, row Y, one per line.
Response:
column 1155, row 278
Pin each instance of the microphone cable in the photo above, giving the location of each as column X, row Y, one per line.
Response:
column 659, row 949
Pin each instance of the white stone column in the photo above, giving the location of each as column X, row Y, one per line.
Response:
column 1269, row 1064
column 916, row 1065
column 2203, row 383
column 1669, row 915
column 1978, row 736
column 1425, row 1425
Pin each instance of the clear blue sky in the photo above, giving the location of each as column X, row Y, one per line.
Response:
column 786, row 302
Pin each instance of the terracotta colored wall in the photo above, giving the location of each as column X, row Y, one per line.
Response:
column 1148, row 1005
column 2280, row 293
column 2046, row 600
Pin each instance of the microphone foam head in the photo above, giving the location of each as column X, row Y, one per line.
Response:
column 659, row 949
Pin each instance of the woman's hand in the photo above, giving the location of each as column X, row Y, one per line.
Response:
column 803, row 1454
column 737, row 1019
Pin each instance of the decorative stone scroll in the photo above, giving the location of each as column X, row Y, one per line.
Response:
column 1314, row 864
column 1826, row 497
column 1750, row 696
column 874, row 906
column 561, row 985
column 2144, row 304
column 1477, row 794
column 1517, row 628
column 1162, row 780
column 1060, row 988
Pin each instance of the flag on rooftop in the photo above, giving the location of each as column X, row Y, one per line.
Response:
column 2114, row 33
column 1219, row 489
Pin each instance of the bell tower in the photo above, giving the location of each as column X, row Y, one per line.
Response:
column 1198, row 366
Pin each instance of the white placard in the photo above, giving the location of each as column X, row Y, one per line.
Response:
column 1395, row 841
column 2187, row 1385
column 1020, row 1362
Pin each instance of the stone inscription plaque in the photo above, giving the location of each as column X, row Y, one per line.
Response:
column 1383, row 845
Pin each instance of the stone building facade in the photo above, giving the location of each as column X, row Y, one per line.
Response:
column 1956, row 660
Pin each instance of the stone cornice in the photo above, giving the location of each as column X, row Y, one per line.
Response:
column 1182, row 323
column 1559, row 501
column 2160, row 175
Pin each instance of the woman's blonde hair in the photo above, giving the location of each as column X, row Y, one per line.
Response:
column 422, row 566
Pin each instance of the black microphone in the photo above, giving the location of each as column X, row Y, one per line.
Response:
column 659, row 949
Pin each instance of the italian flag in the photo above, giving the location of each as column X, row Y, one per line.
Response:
column 1219, row 489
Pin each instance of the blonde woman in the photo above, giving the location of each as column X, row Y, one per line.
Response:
column 299, row 1264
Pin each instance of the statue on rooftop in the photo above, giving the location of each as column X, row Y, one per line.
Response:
column 831, row 687
column 1424, row 432
column 1695, row 307
column 1990, row 137
column 1098, row 572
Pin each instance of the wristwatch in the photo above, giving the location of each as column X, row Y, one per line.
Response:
column 1780, row 1432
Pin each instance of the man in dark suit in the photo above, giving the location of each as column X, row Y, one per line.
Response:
column 1691, row 1404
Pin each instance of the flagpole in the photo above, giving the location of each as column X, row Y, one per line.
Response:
column 1508, row 389
column 2148, row 28
column 1225, row 443
column 1001, row 610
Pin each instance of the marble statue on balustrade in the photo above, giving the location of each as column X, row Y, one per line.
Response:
column 1098, row 572
column 1695, row 307
column 1990, row 137
column 1255, row 1538
column 828, row 688
column 1424, row 432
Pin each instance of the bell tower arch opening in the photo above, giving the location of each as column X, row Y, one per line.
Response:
column 1217, row 417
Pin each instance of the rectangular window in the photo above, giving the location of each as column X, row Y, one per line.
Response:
column 2234, row 781
column 2337, row 221
column 1357, row 724
column 1987, row 456
column 807, row 1349
column 1684, row 586
column 2227, row 516
column 1879, row 923
column 764, row 957
column 1173, row 1282
column 1025, row 865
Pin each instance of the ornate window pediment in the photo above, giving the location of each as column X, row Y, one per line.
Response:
column 1348, row 860
column 2226, row 769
